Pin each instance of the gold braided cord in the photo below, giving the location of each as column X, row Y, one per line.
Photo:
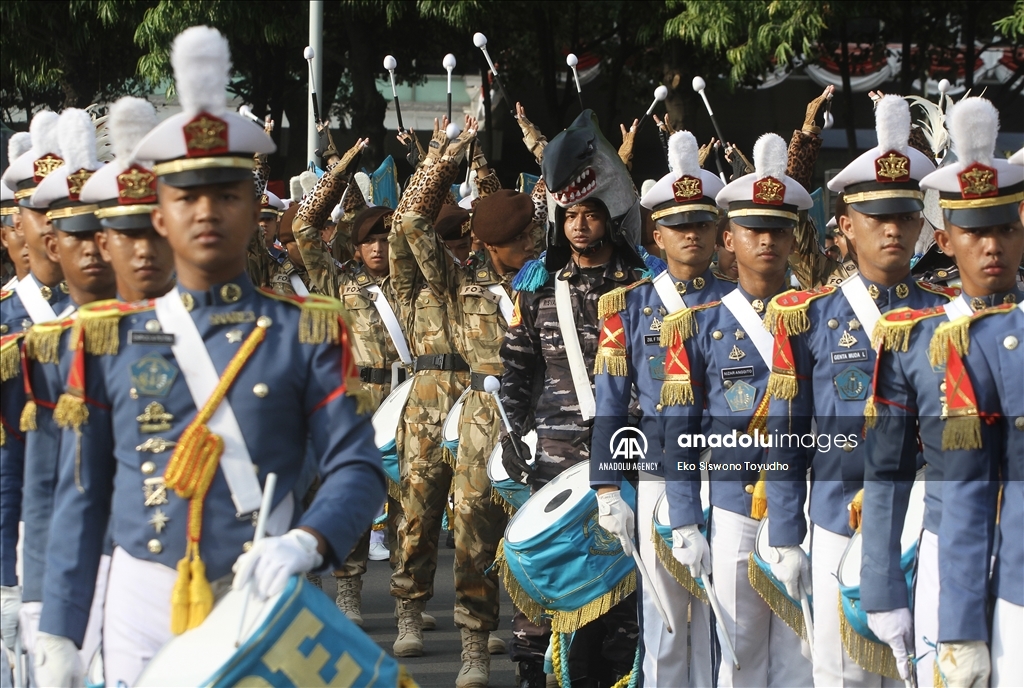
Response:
column 73, row 211
column 189, row 164
column 692, row 207
column 968, row 203
column 881, row 194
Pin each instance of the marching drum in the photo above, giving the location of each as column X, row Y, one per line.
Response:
column 861, row 644
column 508, row 492
column 385, row 426
column 450, row 429
column 558, row 560
column 662, row 536
column 297, row 638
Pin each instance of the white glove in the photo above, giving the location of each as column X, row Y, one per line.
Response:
column 273, row 560
column 691, row 549
column 964, row 665
column 896, row 629
column 793, row 570
column 10, row 605
column 615, row 516
column 57, row 662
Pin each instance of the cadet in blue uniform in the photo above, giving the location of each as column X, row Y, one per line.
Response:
column 984, row 478
column 717, row 366
column 137, row 367
column 908, row 403
column 821, row 370
column 629, row 358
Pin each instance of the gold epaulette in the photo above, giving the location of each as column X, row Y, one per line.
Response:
column 10, row 355
column 893, row 329
column 6, row 294
column 949, row 292
column 319, row 316
column 99, row 323
column 957, row 333
column 615, row 300
column 680, row 324
column 790, row 309
column 722, row 277
column 42, row 342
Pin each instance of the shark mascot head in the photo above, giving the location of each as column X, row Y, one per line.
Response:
column 580, row 164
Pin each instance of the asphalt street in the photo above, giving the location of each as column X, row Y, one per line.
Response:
column 442, row 648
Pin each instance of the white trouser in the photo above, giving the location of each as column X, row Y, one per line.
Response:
column 833, row 668
column 665, row 654
column 926, row 607
column 767, row 649
column 1007, row 641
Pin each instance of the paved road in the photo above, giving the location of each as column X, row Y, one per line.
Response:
column 441, row 661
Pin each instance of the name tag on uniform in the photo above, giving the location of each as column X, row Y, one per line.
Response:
column 652, row 339
column 737, row 373
column 143, row 337
column 849, row 356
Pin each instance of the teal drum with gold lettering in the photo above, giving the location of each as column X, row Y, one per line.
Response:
column 297, row 638
column 558, row 562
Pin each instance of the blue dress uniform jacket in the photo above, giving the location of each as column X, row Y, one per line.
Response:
column 832, row 361
column 139, row 403
column 993, row 363
column 729, row 381
column 641, row 319
column 14, row 318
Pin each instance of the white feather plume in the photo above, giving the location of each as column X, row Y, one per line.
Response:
column 973, row 126
column 202, row 67
column 18, row 144
column 892, row 123
column 295, row 188
column 933, row 125
column 130, row 120
column 336, row 213
column 363, row 182
column 770, row 156
column 44, row 132
column 77, row 139
column 682, row 155
column 307, row 180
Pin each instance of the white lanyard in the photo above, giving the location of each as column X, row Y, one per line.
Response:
column 37, row 307
column 957, row 307
column 863, row 305
column 12, row 284
column 298, row 286
column 504, row 302
column 387, row 316
column 666, row 289
column 748, row 318
column 571, row 340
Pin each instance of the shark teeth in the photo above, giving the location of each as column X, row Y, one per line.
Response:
column 581, row 187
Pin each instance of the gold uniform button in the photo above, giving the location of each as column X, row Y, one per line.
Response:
column 659, row 408
column 264, row 322
column 261, row 390
column 148, row 468
column 155, row 546
column 698, row 282
column 833, row 324
column 1010, row 343
column 45, row 292
column 619, row 274
column 717, row 334
column 873, row 291
column 64, row 288
column 3, row 329
column 902, row 290
column 1019, row 422
column 188, row 301
column 230, row 293
column 152, row 326
column 648, row 310
column 749, row 489
column 847, row 447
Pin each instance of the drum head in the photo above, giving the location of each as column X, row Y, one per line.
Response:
column 453, row 421
column 496, row 469
column 849, row 565
column 389, row 413
column 552, row 502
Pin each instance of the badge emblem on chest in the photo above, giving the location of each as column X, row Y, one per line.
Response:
column 657, row 364
column 852, row 384
column 153, row 375
column 741, row 396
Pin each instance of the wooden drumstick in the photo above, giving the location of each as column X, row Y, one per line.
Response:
column 261, row 530
column 713, row 601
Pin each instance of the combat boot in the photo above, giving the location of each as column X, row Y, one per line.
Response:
column 495, row 645
column 350, row 597
column 429, row 622
column 410, row 629
column 476, row 662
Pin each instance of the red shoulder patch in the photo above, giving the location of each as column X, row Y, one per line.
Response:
column 949, row 292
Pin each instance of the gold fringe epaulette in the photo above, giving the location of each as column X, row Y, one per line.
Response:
column 871, row 656
column 10, row 356
column 681, row 324
column 894, row 328
column 790, row 308
column 949, row 292
column 615, row 300
column 100, row 322
column 319, row 318
column 780, row 605
column 27, row 422
column 42, row 342
column 679, row 572
column 957, row 333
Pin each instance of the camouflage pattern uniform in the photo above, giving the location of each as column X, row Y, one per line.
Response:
column 260, row 266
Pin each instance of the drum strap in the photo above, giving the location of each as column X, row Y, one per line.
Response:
column 298, row 286
column 387, row 316
column 957, row 307
column 747, row 317
column 504, row 302
column 571, row 340
column 666, row 289
column 863, row 305
column 38, row 308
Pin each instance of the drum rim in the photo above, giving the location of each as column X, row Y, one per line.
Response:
column 522, row 513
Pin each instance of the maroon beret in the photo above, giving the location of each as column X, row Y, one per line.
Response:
column 502, row 216
column 376, row 220
column 450, row 221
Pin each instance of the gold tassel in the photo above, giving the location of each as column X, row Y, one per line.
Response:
column 856, row 508
column 523, row 602
column 199, row 592
column 570, row 622
column 874, row 657
column 318, row 322
column 893, row 336
column 794, row 318
column 678, row 324
column 612, row 302
column 962, row 432
column 676, row 393
column 71, row 412
column 10, row 360
column 870, row 413
column 780, row 605
column 611, row 360
column 956, row 333
column 180, row 598
column 556, row 658
column 759, row 500
column 507, row 506
column 782, row 385
column 101, row 332
column 28, row 416
column 42, row 343
column 678, row 571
